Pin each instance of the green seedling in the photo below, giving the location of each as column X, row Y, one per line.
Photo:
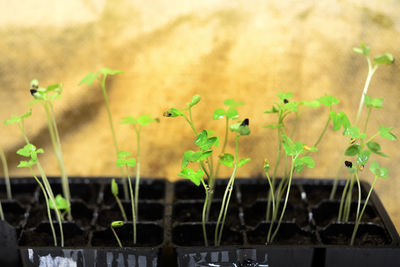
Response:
column 114, row 191
column 45, row 97
column 137, row 126
column 116, row 224
column 206, row 143
column 6, row 176
column 31, row 152
column 101, row 76
column 297, row 152
column 124, row 161
column 384, row 59
column 61, row 204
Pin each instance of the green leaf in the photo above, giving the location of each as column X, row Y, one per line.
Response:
column 328, row 100
column 311, row 104
column 204, row 142
column 195, row 100
column 374, row 146
column 243, row 161
column 226, row 159
column 386, row 133
column 232, row 103
column 205, row 154
column 114, row 187
column 288, row 145
column 16, row 119
column 282, row 96
column 128, row 120
column 232, row 113
column 88, row 79
column 26, row 164
column 384, row 59
column 291, row 106
column 241, row 127
column 193, row 176
column 173, row 112
column 61, row 203
column 219, row 114
column 266, row 165
column 352, row 131
column 123, row 154
column 27, row 150
column 379, row 172
column 116, row 224
column 364, row 50
column 373, row 102
column 363, row 157
column 187, row 156
column 272, row 110
column 120, row 162
column 145, row 119
column 352, row 150
column 131, row 162
column 306, row 161
column 108, row 71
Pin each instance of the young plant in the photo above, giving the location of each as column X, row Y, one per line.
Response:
column 116, row 224
column 297, row 152
column 384, row 59
column 101, row 76
column 31, row 152
column 6, row 176
column 114, row 191
column 61, row 205
column 137, row 126
column 124, row 161
column 45, row 97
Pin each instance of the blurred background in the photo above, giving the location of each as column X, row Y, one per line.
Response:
column 170, row 50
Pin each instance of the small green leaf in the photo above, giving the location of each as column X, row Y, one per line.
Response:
column 352, row 150
column 306, row 161
column 145, row 119
column 272, row 110
column 123, row 154
column 364, row 50
column 352, row 131
column 288, row 146
column 328, row 100
column 282, row 96
column 374, row 146
column 131, row 162
column 16, row 119
column 373, row 102
column 384, row 59
column 363, row 157
column 61, row 203
column 241, row 127
column 26, row 164
column 88, row 79
column 226, row 159
column 173, row 112
column 379, row 172
column 193, row 176
column 108, row 71
column 116, row 224
column 114, row 187
column 385, row 132
column 219, row 114
column 128, row 120
column 243, row 161
column 187, row 156
column 311, row 104
column 205, row 154
column 232, row 103
column 195, row 100
column 291, row 106
column 266, row 165
column 232, row 113
column 120, row 162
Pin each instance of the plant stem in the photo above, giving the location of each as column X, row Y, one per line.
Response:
column 6, row 176
column 358, row 219
column 366, row 121
column 55, row 139
column 133, row 206
column 272, row 194
column 203, row 217
column 114, row 137
column 286, row 200
column 323, row 132
column 359, row 195
column 121, row 208
column 340, row 215
column 47, row 207
column 116, row 236
column 1, row 212
column 347, row 204
column 137, row 179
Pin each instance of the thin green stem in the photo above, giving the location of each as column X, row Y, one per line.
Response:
column 133, row 206
column 203, row 217
column 137, row 180
column 359, row 195
column 366, row 121
column 272, row 194
column 1, row 212
column 116, row 236
column 358, row 219
column 6, row 176
column 323, row 132
column 340, row 214
column 121, row 208
column 347, row 204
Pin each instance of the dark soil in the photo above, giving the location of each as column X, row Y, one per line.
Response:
column 254, row 192
column 192, row 235
column 14, row 213
column 23, row 193
column 317, row 193
column 88, row 193
column 147, row 212
column 148, row 235
column 189, row 191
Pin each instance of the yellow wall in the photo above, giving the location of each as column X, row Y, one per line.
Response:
column 171, row 50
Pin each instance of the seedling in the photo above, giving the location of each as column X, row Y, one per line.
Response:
column 101, row 76
column 45, row 97
column 61, row 204
column 6, row 176
column 31, row 152
column 203, row 158
column 116, row 224
column 114, row 191
column 137, row 126
column 124, row 161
